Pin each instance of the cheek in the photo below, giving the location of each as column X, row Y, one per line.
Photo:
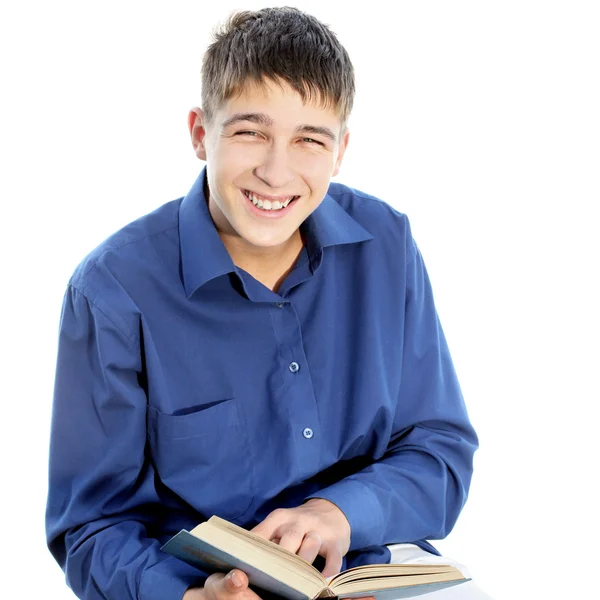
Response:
column 236, row 158
column 315, row 166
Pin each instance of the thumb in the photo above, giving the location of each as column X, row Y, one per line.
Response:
column 236, row 581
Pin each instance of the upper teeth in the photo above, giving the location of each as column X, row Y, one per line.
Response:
column 267, row 204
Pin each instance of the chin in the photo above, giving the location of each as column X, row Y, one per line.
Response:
column 272, row 241
column 262, row 243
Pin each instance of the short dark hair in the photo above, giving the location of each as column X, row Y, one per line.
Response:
column 282, row 45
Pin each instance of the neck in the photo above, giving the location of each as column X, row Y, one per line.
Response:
column 270, row 266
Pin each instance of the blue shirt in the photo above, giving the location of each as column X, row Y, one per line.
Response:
column 186, row 388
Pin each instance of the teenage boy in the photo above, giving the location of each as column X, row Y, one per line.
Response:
column 265, row 349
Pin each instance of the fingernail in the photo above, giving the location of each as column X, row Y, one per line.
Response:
column 235, row 579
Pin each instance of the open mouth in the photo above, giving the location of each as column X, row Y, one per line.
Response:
column 271, row 206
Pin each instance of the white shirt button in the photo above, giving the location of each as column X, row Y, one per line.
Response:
column 308, row 433
column 294, row 367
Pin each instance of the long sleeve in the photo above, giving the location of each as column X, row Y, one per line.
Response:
column 185, row 388
column 102, row 498
column 417, row 489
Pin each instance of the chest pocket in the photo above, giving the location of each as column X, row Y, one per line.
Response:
column 204, row 457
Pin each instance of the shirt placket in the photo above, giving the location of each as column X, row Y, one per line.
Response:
column 298, row 391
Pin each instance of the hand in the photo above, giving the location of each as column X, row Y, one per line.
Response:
column 317, row 527
column 233, row 586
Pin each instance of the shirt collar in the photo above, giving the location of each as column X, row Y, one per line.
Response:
column 204, row 256
column 331, row 225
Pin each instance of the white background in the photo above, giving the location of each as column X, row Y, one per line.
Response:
column 478, row 119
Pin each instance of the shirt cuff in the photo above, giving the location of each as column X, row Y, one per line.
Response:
column 362, row 509
column 169, row 579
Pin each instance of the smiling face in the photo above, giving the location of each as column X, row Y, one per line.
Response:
column 270, row 159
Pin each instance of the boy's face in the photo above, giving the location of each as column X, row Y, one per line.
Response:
column 265, row 147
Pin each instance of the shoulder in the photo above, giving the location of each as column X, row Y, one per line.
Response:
column 142, row 246
column 388, row 226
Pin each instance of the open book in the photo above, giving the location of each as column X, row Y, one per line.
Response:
column 219, row 546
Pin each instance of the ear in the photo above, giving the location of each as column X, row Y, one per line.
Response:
column 197, row 128
column 341, row 152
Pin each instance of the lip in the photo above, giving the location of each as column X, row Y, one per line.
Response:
column 267, row 196
column 268, row 214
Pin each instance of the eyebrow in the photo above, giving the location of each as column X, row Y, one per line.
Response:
column 258, row 118
column 266, row 121
column 325, row 131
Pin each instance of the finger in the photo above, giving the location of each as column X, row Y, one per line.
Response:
column 333, row 561
column 267, row 528
column 291, row 540
column 236, row 581
column 219, row 584
column 311, row 544
column 213, row 585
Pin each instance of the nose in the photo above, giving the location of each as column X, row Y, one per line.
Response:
column 275, row 168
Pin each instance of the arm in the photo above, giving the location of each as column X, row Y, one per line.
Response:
column 414, row 491
column 101, row 486
column 418, row 488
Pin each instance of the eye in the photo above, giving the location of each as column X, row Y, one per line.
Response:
column 312, row 141
column 249, row 133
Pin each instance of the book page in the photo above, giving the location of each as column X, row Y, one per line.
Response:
column 389, row 570
column 262, row 554
column 368, row 586
column 268, row 545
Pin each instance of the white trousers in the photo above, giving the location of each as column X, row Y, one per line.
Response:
column 411, row 554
